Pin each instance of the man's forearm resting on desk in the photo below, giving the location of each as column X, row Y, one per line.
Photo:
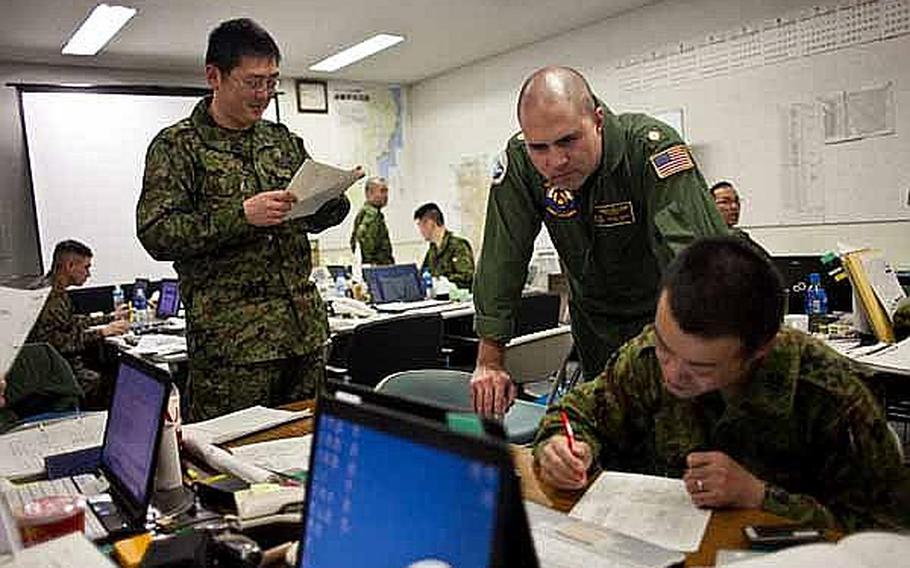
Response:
column 492, row 390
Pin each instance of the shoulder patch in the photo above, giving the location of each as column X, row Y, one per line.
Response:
column 500, row 167
column 672, row 161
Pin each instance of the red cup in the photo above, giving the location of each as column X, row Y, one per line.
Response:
column 47, row 518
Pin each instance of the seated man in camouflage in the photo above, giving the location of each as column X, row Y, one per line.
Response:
column 448, row 255
column 749, row 415
column 59, row 324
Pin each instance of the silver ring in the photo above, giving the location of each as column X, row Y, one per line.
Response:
column 700, row 485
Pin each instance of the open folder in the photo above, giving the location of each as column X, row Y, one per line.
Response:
column 316, row 183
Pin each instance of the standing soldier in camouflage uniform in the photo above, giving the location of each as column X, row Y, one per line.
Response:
column 619, row 195
column 59, row 325
column 214, row 201
column 749, row 415
column 370, row 231
column 448, row 255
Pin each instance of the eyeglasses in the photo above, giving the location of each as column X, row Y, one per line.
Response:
column 258, row 84
column 727, row 202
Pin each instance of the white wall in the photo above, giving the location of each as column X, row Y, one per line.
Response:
column 471, row 111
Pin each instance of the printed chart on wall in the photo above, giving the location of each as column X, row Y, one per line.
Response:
column 808, row 111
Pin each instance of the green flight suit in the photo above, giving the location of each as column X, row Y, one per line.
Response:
column 69, row 333
column 39, row 382
column 453, row 258
column 615, row 235
column 804, row 423
column 256, row 326
column 372, row 234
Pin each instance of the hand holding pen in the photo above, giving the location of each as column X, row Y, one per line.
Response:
column 564, row 461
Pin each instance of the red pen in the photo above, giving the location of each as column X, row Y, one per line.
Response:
column 568, row 430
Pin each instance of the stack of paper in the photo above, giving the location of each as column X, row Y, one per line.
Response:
column 657, row 510
column 241, row 423
column 861, row 550
column 24, row 451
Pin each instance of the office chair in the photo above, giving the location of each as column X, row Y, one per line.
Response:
column 452, row 389
column 537, row 312
column 380, row 348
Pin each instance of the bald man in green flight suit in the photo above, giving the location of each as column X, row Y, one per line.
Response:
column 620, row 195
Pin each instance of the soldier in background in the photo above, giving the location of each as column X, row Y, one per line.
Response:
column 749, row 415
column 214, row 202
column 448, row 255
column 68, row 332
column 729, row 205
column 370, row 230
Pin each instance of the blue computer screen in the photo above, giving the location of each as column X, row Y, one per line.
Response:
column 398, row 283
column 169, row 301
column 132, row 429
column 380, row 500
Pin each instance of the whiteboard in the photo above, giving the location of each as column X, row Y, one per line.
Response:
column 87, row 156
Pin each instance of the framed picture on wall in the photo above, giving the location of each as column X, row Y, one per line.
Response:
column 312, row 96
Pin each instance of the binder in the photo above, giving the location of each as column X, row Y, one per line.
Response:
column 869, row 302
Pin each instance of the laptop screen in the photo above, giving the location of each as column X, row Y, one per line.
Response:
column 132, row 432
column 398, row 283
column 169, row 300
column 383, row 499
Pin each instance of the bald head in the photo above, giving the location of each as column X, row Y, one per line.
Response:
column 555, row 86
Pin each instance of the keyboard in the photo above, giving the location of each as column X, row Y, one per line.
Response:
column 86, row 485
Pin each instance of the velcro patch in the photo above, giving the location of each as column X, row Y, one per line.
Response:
column 672, row 161
column 612, row 214
column 500, row 167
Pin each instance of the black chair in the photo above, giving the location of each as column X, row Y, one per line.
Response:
column 378, row 349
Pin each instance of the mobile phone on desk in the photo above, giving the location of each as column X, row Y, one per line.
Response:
column 773, row 537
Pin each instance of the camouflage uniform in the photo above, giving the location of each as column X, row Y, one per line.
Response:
column 804, row 423
column 256, row 325
column 614, row 236
column 453, row 259
column 737, row 232
column 68, row 332
column 371, row 233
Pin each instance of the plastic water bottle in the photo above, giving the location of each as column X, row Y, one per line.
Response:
column 118, row 297
column 427, row 283
column 816, row 304
column 140, row 307
column 341, row 286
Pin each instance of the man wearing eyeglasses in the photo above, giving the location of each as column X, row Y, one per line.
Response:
column 728, row 204
column 214, row 202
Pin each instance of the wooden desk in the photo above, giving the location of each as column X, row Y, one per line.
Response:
column 724, row 530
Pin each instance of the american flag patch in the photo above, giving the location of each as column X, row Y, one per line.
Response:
column 671, row 161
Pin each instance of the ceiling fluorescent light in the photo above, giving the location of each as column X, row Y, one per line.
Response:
column 357, row 52
column 101, row 25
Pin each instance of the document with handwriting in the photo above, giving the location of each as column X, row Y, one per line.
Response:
column 653, row 509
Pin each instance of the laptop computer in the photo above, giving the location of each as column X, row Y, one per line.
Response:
column 119, row 486
column 386, row 489
column 396, row 283
column 168, row 299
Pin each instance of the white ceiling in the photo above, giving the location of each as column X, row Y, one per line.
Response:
column 171, row 34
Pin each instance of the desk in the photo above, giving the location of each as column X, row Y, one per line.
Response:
column 343, row 325
column 724, row 530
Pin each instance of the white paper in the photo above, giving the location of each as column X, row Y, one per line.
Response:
column 861, row 550
column 262, row 500
column 883, row 280
column 563, row 542
column 316, row 183
column 240, row 423
column 18, row 311
column 224, row 462
column 64, row 552
column 657, row 510
column 284, row 456
column 24, row 451
column 894, row 357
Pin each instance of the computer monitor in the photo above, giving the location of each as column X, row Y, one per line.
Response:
column 168, row 299
column 337, row 270
column 396, row 283
column 795, row 270
column 389, row 490
column 133, row 431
